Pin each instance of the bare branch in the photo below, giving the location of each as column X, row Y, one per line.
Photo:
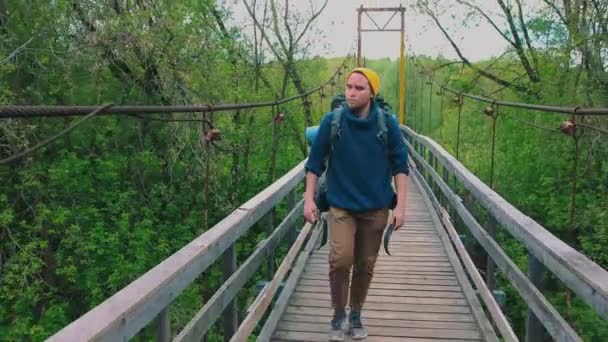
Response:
column 445, row 65
column 524, row 28
column 532, row 73
column 259, row 52
column 601, row 14
column 553, row 6
column 312, row 18
column 287, row 27
column 488, row 19
column 72, row 50
column 275, row 22
column 263, row 33
column 119, row 66
column 18, row 50
column 468, row 63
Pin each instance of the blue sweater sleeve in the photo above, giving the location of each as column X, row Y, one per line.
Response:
column 398, row 153
column 320, row 147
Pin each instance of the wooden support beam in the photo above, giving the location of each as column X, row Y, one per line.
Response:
column 534, row 327
column 204, row 319
column 163, row 334
column 291, row 204
column 290, row 285
column 267, row 294
column 490, row 265
column 230, row 320
column 269, row 223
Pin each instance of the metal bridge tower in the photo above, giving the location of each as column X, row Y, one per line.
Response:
column 384, row 28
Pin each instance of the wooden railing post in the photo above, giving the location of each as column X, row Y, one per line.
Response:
column 163, row 334
column 291, row 203
column 468, row 203
column 425, row 173
column 452, row 182
column 534, row 327
column 434, row 165
column 490, row 265
column 230, row 319
column 446, row 202
column 269, row 222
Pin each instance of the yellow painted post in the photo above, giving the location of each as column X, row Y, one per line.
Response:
column 402, row 71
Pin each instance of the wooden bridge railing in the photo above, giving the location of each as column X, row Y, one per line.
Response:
column 148, row 298
column 545, row 251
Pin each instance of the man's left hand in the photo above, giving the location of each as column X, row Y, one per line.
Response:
column 399, row 216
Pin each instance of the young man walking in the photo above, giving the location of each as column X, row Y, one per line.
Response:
column 359, row 191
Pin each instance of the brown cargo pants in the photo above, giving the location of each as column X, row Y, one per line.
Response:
column 355, row 239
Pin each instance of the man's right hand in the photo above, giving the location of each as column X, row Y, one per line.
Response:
column 311, row 213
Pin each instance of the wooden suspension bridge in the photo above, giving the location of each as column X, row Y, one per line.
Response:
column 429, row 290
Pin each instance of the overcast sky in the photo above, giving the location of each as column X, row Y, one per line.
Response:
column 338, row 22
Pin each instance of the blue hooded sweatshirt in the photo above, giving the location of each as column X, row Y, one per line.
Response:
column 360, row 166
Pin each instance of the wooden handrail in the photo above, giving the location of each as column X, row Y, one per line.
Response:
column 494, row 310
column 485, row 327
column 214, row 307
column 554, row 323
column 264, row 299
column 290, row 285
column 128, row 311
column 586, row 278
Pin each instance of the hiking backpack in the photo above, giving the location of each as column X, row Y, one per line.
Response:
column 337, row 106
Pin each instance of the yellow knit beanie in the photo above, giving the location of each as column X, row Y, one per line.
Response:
column 372, row 78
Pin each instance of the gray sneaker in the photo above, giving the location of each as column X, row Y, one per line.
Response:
column 336, row 331
column 356, row 329
column 336, row 335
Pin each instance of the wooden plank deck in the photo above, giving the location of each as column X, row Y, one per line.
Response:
column 418, row 294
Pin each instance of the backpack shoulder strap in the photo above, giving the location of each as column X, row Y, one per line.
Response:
column 334, row 133
column 336, row 120
column 382, row 127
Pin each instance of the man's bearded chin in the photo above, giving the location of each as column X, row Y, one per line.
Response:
column 356, row 108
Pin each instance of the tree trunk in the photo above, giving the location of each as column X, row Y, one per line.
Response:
column 298, row 83
column 3, row 17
